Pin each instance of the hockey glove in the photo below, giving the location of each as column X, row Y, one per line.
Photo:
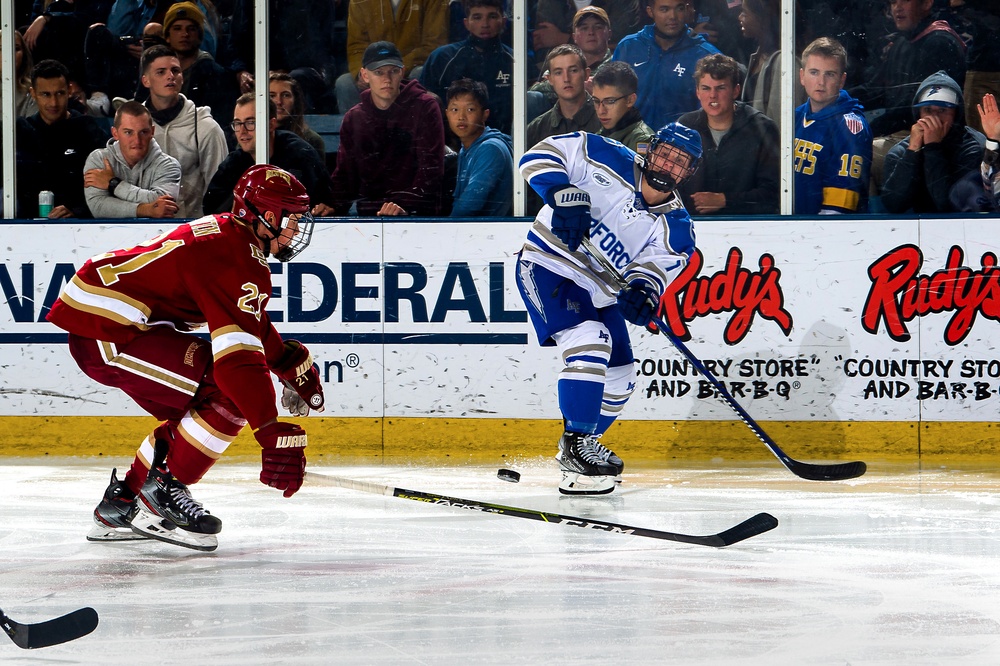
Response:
column 283, row 457
column 570, row 214
column 300, row 377
column 637, row 302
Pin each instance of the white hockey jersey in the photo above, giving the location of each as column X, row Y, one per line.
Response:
column 652, row 242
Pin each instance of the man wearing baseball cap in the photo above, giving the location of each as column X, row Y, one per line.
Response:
column 205, row 82
column 391, row 156
column 922, row 171
column 591, row 31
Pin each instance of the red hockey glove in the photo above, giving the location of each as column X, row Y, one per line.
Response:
column 283, row 458
column 300, row 378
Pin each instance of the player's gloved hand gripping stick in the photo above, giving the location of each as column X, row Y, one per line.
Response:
column 813, row 472
column 282, row 456
column 300, row 379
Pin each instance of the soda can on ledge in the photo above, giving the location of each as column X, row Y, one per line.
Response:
column 46, row 200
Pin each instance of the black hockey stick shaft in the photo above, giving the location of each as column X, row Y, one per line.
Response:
column 51, row 632
column 758, row 524
column 809, row 471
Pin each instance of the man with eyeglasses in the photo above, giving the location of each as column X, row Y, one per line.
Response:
column 663, row 56
column 614, row 100
column 287, row 151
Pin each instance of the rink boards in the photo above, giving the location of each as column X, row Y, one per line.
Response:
column 841, row 336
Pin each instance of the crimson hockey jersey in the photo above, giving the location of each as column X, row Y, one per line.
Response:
column 210, row 271
column 833, row 156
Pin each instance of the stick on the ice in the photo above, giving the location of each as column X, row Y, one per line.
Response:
column 810, row 471
column 758, row 524
column 51, row 632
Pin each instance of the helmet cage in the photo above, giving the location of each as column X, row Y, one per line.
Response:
column 267, row 188
column 673, row 155
column 304, row 225
column 666, row 166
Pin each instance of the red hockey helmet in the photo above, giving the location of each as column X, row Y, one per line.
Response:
column 266, row 188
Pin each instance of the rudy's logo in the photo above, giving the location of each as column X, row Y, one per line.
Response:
column 734, row 289
column 602, row 180
column 899, row 294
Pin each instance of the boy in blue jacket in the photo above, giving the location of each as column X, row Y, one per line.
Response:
column 485, row 185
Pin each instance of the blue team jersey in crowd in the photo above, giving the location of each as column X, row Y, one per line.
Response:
column 833, row 156
column 653, row 242
column 666, row 78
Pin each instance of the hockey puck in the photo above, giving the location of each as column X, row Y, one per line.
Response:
column 508, row 475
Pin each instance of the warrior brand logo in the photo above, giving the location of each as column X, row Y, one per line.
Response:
column 572, row 195
column 735, row 289
column 290, row 442
column 898, row 294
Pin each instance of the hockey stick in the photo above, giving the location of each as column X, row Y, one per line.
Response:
column 758, row 524
column 51, row 632
column 810, row 471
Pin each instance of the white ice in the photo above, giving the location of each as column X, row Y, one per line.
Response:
column 897, row 567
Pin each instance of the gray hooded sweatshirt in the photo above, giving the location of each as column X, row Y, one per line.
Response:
column 153, row 176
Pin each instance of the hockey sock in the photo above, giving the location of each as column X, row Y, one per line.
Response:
column 618, row 387
column 580, row 403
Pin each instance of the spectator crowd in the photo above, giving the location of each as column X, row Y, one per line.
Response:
column 146, row 108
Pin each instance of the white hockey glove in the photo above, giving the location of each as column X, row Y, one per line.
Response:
column 292, row 401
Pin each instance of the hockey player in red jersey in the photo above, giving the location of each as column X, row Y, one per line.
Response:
column 129, row 314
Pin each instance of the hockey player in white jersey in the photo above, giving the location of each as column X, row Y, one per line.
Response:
column 627, row 205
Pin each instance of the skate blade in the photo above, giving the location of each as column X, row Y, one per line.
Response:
column 152, row 526
column 106, row 533
column 577, row 484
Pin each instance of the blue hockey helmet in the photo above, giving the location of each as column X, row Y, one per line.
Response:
column 673, row 155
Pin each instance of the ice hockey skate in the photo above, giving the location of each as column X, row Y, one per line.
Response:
column 584, row 469
column 168, row 512
column 113, row 515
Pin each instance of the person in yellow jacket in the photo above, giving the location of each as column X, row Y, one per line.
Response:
column 415, row 27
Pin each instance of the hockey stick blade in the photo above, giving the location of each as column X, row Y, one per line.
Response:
column 758, row 524
column 804, row 470
column 51, row 632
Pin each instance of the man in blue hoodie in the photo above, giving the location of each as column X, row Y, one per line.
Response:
column 481, row 56
column 933, row 169
column 485, row 185
column 663, row 56
column 833, row 143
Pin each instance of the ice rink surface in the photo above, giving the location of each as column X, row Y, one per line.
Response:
column 898, row 567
